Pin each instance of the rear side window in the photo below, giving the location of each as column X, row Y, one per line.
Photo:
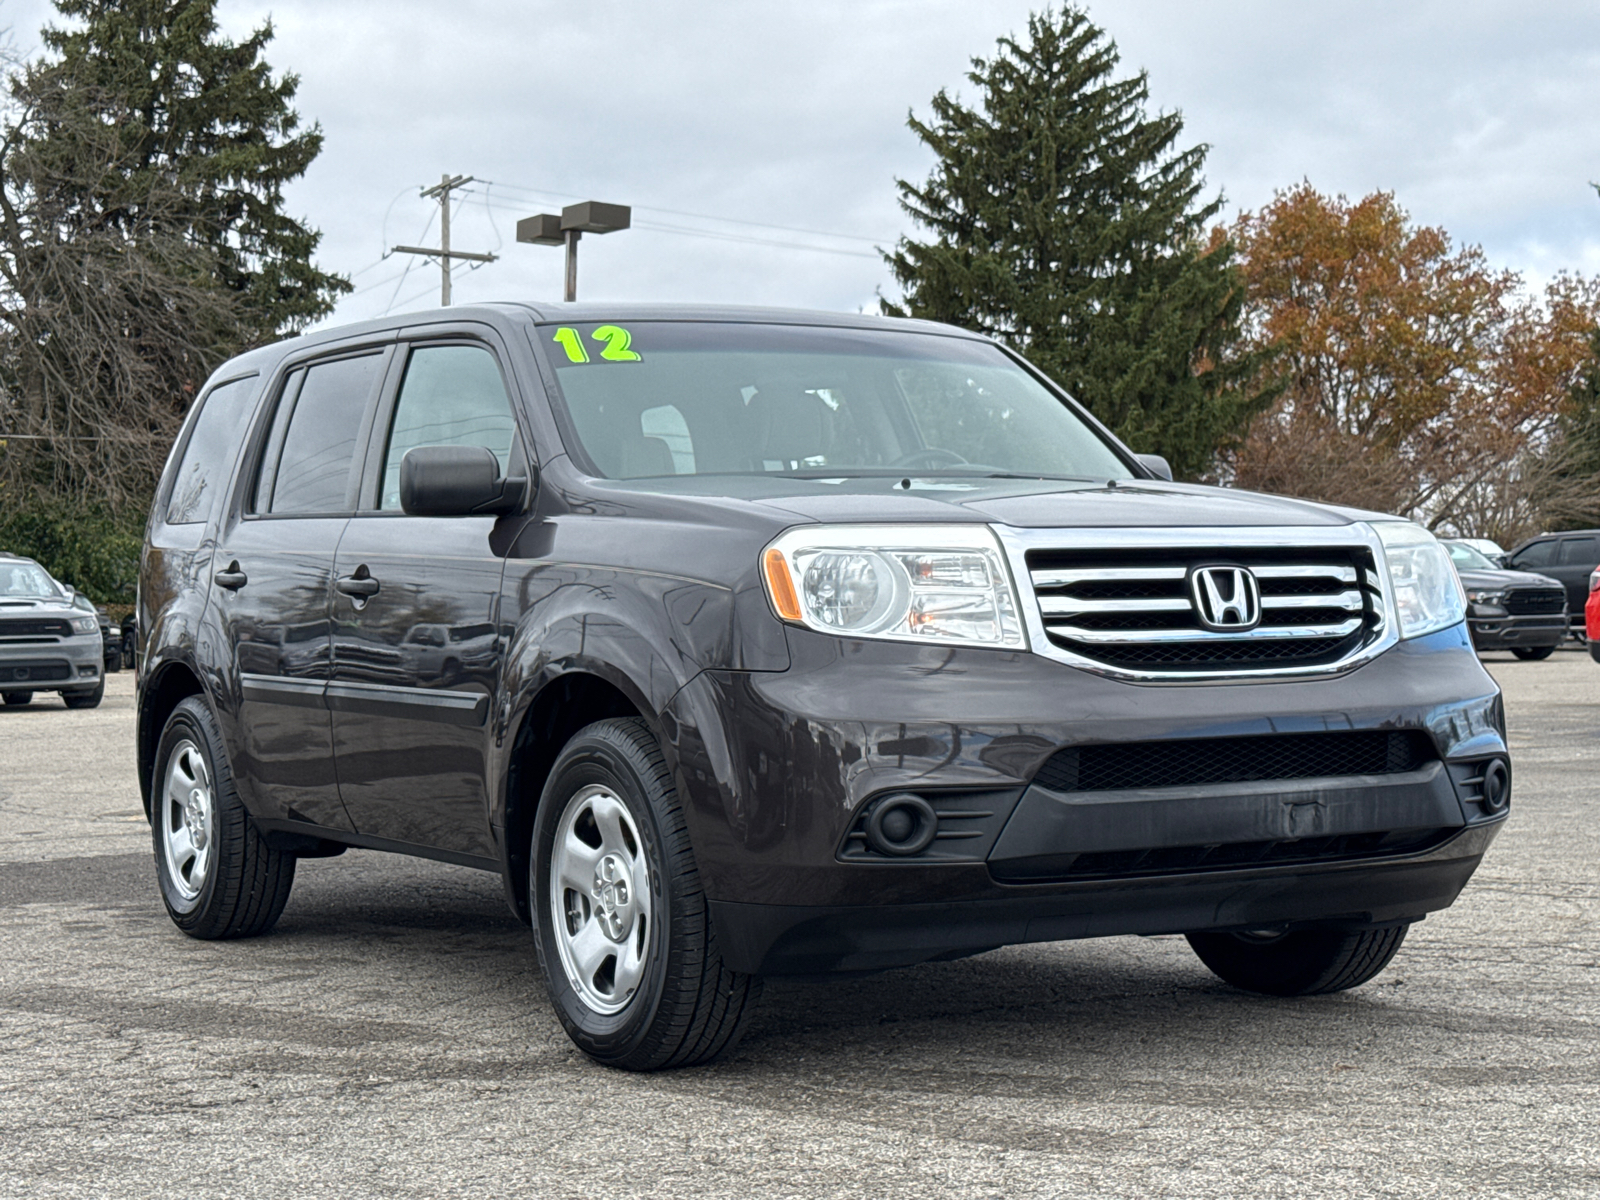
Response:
column 452, row 396
column 207, row 459
column 313, row 440
column 1540, row 554
column 1579, row 552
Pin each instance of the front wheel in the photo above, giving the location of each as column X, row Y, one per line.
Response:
column 1533, row 653
column 1307, row 962
column 1594, row 649
column 620, row 921
column 16, row 699
column 89, row 699
column 219, row 878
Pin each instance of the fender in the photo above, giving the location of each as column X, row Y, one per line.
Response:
column 571, row 620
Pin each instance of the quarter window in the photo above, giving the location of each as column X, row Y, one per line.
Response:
column 316, row 426
column 452, row 396
column 208, row 457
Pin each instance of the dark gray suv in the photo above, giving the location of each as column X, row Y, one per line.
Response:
column 744, row 643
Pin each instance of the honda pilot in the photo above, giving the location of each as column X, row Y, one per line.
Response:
column 745, row 643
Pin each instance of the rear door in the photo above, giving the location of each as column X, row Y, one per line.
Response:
column 415, row 658
column 273, row 581
column 1579, row 556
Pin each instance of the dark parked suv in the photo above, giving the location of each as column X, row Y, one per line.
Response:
column 745, row 643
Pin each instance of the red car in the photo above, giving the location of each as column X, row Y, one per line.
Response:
column 1591, row 615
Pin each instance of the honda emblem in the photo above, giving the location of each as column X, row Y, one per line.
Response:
column 1225, row 597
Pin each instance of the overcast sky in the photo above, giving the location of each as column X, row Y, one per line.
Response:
column 790, row 118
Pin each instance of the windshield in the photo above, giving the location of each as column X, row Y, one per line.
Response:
column 1465, row 557
column 659, row 398
column 26, row 579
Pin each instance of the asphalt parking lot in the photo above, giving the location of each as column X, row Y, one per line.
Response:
column 392, row 1039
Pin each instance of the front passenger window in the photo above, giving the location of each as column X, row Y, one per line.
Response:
column 452, row 396
column 1540, row 554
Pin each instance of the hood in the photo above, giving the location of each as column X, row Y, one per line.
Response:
column 1022, row 503
column 38, row 606
column 1505, row 579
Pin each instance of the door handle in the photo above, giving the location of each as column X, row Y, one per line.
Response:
column 231, row 577
column 360, row 585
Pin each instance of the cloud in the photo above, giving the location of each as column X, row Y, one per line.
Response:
column 791, row 117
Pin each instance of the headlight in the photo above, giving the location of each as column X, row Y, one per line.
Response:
column 909, row 583
column 1427, row 591
column 1486, row 596
column 86, row 624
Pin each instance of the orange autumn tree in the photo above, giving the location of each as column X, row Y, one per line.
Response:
column 1414, row 377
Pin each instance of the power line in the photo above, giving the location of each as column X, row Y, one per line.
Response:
column 675, row 212
column 718, row 235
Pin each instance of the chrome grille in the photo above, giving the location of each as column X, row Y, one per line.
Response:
column 1135, row 609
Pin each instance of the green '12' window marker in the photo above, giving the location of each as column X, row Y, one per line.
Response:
column 617, row 344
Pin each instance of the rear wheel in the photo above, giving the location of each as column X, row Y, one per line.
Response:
column 1594, row 650
column 89, row 699
column 620, row 921
column 218, row 876
column 1307, row 962
column 16, row 699
column 1533, row 653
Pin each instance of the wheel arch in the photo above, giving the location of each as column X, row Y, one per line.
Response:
column 565, row 704
column 169, row 684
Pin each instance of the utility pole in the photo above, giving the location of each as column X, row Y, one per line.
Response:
column 570, row 224
column 441, row 191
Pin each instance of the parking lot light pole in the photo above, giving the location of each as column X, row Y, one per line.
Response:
column 565, row 228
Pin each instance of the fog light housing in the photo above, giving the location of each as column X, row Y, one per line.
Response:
column 902, row 825
column 1496, row 786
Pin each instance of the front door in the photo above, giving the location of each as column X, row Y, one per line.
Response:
column 415, row 646
column 273, row 586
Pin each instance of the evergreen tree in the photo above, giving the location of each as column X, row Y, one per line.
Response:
column 1067, row 224
column 200, row 120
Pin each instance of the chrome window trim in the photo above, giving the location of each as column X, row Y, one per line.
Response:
column 1017, row 542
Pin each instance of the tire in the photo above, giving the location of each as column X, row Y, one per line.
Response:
column 16, row 699
column 219, row 878
column 1533, row 653
column 1594, row 650
column 1307, row 962
column 86, row 699
column 638, row 985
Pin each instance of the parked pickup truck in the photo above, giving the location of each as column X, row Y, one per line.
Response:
column 802, row 643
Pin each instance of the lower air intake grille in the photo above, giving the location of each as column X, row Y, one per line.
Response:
column 1122, row 864
column 1123, row 765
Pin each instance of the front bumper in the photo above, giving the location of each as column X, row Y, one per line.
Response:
column 1508, row 632
column 773, row 939
column 70, row 664
column 777, row 768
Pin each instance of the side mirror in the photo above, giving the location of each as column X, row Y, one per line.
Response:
column 1156, row 465
column 456, row 481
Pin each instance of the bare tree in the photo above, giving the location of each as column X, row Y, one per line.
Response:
column 110, row 325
